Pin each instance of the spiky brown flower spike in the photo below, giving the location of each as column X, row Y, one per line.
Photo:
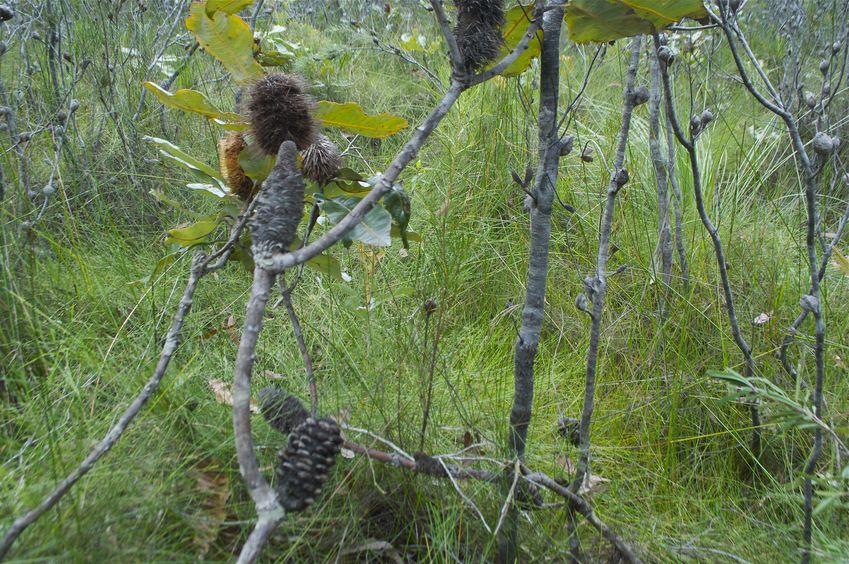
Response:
column 304, row 465
column 280, row 109
column 322, row 160
column 283, row 412
column 478, row 31
column 229, row 149
column 280, row 206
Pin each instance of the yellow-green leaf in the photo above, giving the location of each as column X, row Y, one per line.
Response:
column 193, row 234
column 350, row 117
column 173, row 152
column 227, row 38
column 607, row 20
column 516, row 22
column 226, row 6
column 194, row 101
column 841, row 261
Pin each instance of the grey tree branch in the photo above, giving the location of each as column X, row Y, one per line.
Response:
column 596, row 287
column 545, row 185
column 268, row 508
column 690, row 146
column 677, row 202
column 812, row 301
column 450, row 40
column 423, row 465
column 664, row 242
column 286, row 296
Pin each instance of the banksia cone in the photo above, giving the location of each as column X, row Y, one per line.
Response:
column 280, row 109
column 322, row 160
column 478, row 31
column 304, row 464
column 281, row 410
column 280, row 206
column 229, row 149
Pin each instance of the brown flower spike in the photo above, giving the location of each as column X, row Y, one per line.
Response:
column 279, row 110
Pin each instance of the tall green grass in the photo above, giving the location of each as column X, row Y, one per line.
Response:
column 79, row 338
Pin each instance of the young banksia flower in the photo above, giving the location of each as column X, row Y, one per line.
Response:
column 280, row 109
column 280, row 205
column 322, row 160
column 478, row 31
column 229, row 149
column 304, row 465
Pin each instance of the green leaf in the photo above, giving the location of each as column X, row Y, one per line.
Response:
column 411, row 235
column 352, row 118
column 516, row 22
column 375, row 228
column 608, row 20
column 397, row 203
column 275, row 59
column 226, row 6
column 215, row 191
column 193, row 234
column 256, row 164
column 160, row 267
column 326, row 264
column 174, row 153
column 841, row 261
column 194, row 101
column 227, row 38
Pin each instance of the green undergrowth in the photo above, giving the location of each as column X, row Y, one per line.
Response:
column 82, row 330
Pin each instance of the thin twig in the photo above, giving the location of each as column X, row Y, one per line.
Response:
column 286, row 296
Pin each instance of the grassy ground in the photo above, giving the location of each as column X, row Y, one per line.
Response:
column 79, row 338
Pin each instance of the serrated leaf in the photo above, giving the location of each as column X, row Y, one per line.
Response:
column 227, row 38
column 516, row 22
column 841, row 261
column 226, row 6
column 351, row 117
column 174, row 153
column 196, row 102
column 608, row 20
column 375, row 228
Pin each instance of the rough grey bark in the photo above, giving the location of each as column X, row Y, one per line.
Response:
column 268, row 508
column 542, row 198
column 596, row 287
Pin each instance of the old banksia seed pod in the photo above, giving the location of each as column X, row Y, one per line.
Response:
column 279, row 110
column 823, row 144
column 279, row 207
column 322, row 160
column 283, row 412
column 304, row 465
column 229, row 149
column 478, row 31
column 640, row 95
